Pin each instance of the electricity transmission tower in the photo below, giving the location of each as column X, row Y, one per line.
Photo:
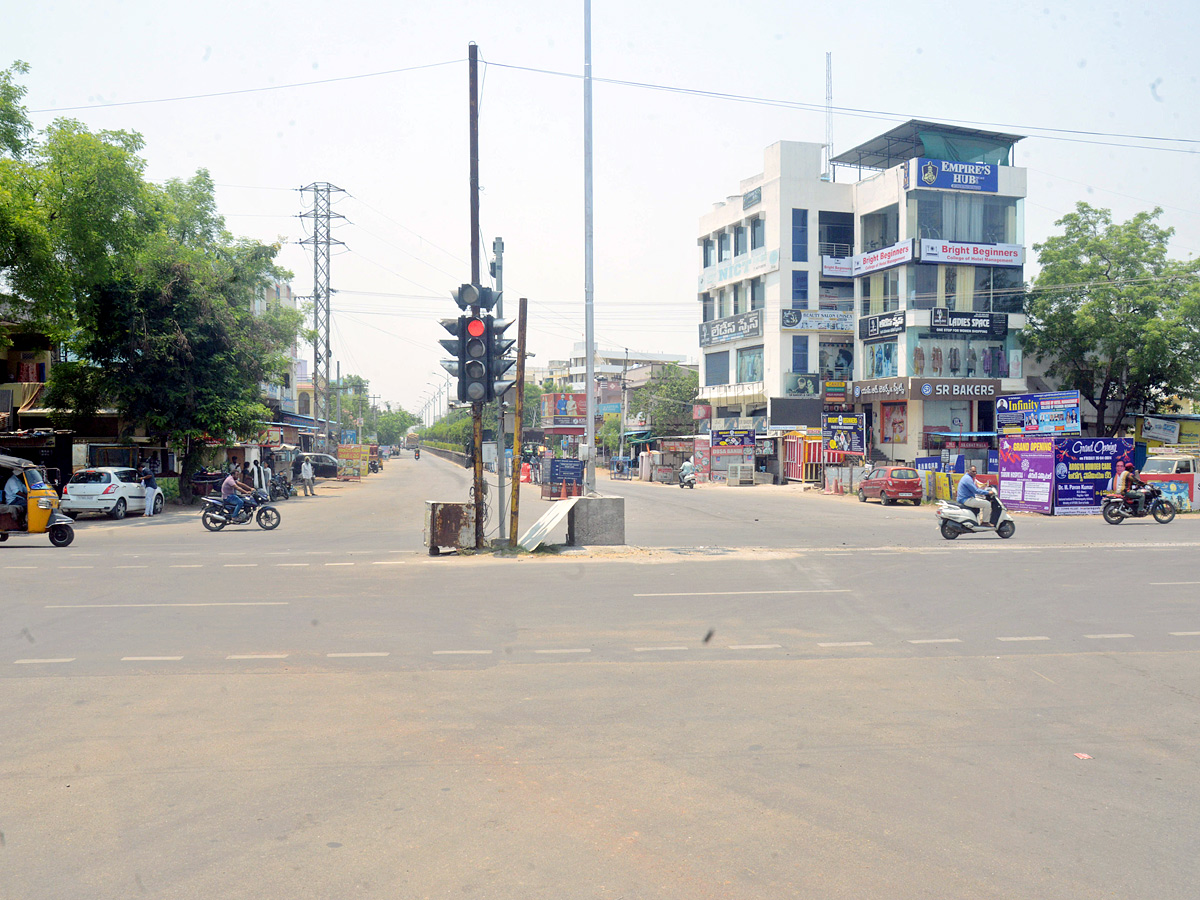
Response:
column 321, row 239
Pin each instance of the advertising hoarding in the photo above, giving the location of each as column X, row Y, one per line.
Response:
column 972, row 254
column 958, row 176
column 1084, row 469
column 885, row 258
column 731, row 328
column 1160, row 430
column 993, row 326
column 1027, row 473
column 564, row 410
column 1056, row 412
column 844, row 432
column 817, row 319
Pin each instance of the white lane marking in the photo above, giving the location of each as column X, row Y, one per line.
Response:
column 846, row 644
column 655, row 649
column 290, row 565
column 936, row 641
column 20, row 567
column 146, row 605
column 1171, row 583
column 1184, row 633
column 240, row 566
column 389, row 562
column 754, row 646
column 1030, row 638
column 565, row 650
column 461, row 652
column 353, row 655
column 31, row 662
column 188, row 566
column 745, row 593
column 339, row 564
column 1101, row 637
column 151, row 658
column 258, row 656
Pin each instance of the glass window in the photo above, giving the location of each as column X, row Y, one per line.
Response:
column 881, row 360
column 758, row 233
column 128, row 476
column 799, row 290
column 881, row 229
column 750, row 364
column 710, row 253
column 922, row 287
column 836, row 295
column 709, row 310
column 737, row 293
column 800, row 353
column 90, row 477
column 835, row 360
column 758, row 294
column 716, row 368
column 723, row 246
column 799, row 235
column 880, row 292
column 1008, row 289
column 722, row 304
column 304, row 404
column 740, row 245
column 967, row 217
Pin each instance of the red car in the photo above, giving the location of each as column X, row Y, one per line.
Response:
column 891, row 483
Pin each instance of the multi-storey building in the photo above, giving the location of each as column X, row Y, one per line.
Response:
column 908, row 281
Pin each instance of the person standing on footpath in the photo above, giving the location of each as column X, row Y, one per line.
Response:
column 306, row 477
column 258, row 476
column 151, row 485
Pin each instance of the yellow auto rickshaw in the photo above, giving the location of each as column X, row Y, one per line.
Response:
column 29, row 504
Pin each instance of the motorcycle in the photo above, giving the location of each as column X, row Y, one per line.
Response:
column 280, row 488
column 217, row 514
column 416, row 454
column 373, row 466
column 955, row 519
column 1117, row 509
column 687, row 480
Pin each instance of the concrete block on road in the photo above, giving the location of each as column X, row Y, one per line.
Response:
column 597, row 522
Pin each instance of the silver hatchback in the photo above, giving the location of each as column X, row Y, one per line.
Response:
column 111, row 490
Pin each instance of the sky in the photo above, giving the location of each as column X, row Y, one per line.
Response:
column 373, row 97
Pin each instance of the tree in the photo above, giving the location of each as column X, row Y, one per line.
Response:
column 666, row 400
column 394, row 425
column 1117, row 319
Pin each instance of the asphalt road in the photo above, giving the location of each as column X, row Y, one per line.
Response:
column 770, row 694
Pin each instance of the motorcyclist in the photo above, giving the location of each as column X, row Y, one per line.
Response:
column 1134, row 491
column 971, row 495
column 231, row 495
column 687, row 470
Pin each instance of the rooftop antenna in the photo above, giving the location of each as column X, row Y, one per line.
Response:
column 828, row 174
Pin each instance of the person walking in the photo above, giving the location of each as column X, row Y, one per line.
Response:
column 151, row 486
column 306, row 478
column 258, row 476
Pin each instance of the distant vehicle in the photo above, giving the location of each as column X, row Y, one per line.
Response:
column 324, row 465
column 111, row 490
column 1179, row 464
column 411, row 441
column 891, row 483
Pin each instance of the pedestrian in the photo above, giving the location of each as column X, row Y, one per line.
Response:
column 306, row 477
column 151, row 486
column 258, row 476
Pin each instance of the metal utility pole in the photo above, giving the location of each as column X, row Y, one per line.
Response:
column 498, row 274
column 321, row 240
column 518, row 428
column 589, row 477
column 339, row 402
column 477, row 406
column 624, row 402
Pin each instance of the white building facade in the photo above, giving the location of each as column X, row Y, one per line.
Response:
column 897, row 296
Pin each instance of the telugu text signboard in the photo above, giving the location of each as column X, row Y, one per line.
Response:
column 1084, row 469
column 1056, row 412
column 1027, row 473
column 731, row 328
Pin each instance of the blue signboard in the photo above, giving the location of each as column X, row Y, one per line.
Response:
column 1084, row 468
column 958, row 176
column 566, row 470
column 1056, row 412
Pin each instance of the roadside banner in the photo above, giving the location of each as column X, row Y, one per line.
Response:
column 1056, row 412
column 844, row 432
column 1084, row 468
column 1027, row 473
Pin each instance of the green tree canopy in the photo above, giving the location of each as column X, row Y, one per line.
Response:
column 666, row 400
column 1116, row 318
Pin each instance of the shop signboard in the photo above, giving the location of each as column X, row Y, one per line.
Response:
column 676, row 445
column 701, row 457
column 953, row 388
column 797, row 384
column 352, row 460
column 722, row 457
column 958, row 176
column 735, row 437
column 564, row 410
column 764, row 447
column 816, row 319
column 879, row 327
column 993, row 326
column 1160, row 430
column 840, row 267
column 835, row 391
column 731, row 328
column 880, row 389
column 1056, row 412
column 566, row 470
column 844, row 432
column 1084, row 468
column 885, row 258
column 701, row 411
column 1027, row 473
column 756, row 262
column 605, row 409
column 972, row 254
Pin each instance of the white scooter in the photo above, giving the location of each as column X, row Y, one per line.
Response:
column 955, row 519
column 687, row 480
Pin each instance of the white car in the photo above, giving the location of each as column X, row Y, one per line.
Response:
column 111, row 490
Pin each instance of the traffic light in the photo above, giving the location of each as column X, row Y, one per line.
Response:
column 473, row 384
column 454, row 345
column 487, row 298
column 498, row 360
column 466, row 296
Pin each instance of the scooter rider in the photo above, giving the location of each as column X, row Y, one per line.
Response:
column 970, row 494
column 687, row 470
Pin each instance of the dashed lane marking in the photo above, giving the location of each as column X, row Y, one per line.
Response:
column 34, row 662
column 1101, row 637
column 339, row 564
column 1184, row 633
column 240, row 566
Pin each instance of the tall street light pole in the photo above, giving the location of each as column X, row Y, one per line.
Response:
column 589, row 338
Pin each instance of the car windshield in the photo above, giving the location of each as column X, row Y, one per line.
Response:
column 904, row 473
column 1158, row 467
column 90, row 477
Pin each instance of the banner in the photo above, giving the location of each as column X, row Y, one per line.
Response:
column 817, row 319
column 958, row 176
column 797, row 384
column 1027, row 473
column 1052, row 413
column 1160, row 430
column 353, row 459
column 738, row 437
column 731, row 328
column 972, row 254
column 1084, row 468
column 844, row 432
column 564, row 410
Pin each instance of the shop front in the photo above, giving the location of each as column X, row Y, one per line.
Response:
column 907, row 418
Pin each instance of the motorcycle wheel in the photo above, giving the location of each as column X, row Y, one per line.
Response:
column 212, row 521
column 1111, row 514
column 1006, row 529
column 62, row 535
column 1164, row 512
column 268, row 518
column 949, row 531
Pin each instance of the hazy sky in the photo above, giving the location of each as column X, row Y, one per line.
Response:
column 392, row 132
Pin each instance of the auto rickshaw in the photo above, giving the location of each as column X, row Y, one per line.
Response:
column 36, row 508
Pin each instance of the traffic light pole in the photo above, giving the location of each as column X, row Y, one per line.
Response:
column 518, row 437
column 476, row 407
